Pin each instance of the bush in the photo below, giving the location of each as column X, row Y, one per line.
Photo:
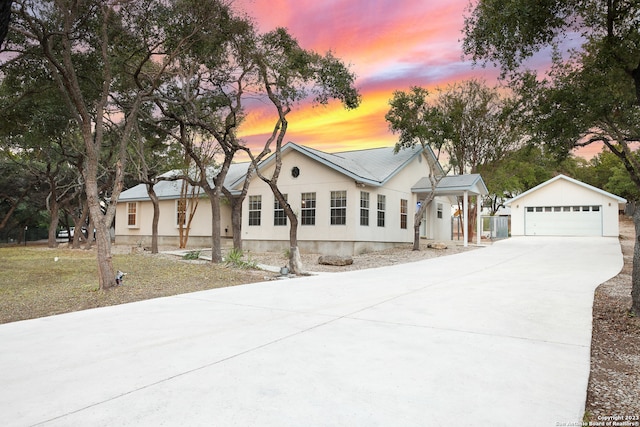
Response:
column 235, row 257
column 191, row 255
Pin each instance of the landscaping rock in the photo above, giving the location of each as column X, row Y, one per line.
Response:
column 335, row 260
column 437, row 245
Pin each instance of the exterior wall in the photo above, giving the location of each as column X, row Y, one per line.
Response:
column 565, row 193
column 435, row 228
column 168, row 230
column 350, row 238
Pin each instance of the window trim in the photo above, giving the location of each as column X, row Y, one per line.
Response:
column 382, row 207
column 136, row 212
column 365, row 204
column 308, row 213
column 338, row 212
column 279, row 214
column 254, row 201
column 404, row 214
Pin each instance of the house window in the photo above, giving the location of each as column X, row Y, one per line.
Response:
column 279, row 216
column 364, row 208
column 181, row 212
column 403, row 213
column 132, row 214
column 308, row 209
column 382, row 202
column 440, row 210
column 338, row 207
column 255, row 206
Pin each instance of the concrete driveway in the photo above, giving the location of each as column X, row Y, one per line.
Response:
column 498, row 336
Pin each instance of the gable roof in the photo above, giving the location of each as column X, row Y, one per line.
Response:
column 166, row 190
column 373, row 166
column 566, row 178
column 453, row 185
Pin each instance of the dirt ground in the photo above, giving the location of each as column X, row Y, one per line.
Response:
column 614, row 383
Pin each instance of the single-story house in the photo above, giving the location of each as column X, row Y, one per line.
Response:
column 347, row 203
column 563, row 206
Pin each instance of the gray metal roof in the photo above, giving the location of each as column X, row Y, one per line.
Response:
column 373, row 166
column 453, row 185
column 167, row 190
column 619, row 199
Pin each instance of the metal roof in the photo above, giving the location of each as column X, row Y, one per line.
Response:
column 167, row 190
column 373, row 166
column 574, row 181
column 453, row 185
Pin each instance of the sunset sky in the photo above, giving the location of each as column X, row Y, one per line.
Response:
column 389, row 44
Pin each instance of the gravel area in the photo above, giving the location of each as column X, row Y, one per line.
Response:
column 614, row 383
column 398, row 255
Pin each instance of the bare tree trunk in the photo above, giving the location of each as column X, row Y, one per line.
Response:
column 106, row 273
column 53, row 222
column 236, row 222
column 295, row 261
column 90, row 234
column 216, row 246
column 156, row 218
column 78, row 223
column 635, row 277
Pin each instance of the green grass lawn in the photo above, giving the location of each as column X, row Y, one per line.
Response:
column 33, row 284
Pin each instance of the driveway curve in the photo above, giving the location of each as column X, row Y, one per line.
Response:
column 498, row 336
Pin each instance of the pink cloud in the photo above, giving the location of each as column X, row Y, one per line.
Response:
column 391, row 45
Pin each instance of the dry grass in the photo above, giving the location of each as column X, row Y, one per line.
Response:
column 33, row 284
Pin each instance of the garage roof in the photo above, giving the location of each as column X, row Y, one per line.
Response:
column 619, row 199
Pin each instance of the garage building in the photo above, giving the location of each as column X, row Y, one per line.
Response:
column 564, row 206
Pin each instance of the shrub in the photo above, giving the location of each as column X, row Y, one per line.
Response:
column 235, row 257
column 191, row 255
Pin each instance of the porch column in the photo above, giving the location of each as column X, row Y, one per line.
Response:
column 465, row 218
column 479, row 225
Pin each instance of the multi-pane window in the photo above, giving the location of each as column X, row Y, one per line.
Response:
column 279, row 216
column 404, row 209
column 308, row 209
column 338, row 207
column 440, row 210
column 382, row 202
column 364, row 208
column 181, row 212
column 255, row 207
column 132, row 214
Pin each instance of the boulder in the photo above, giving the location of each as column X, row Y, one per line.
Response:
column 437, row 245
column 336, row 260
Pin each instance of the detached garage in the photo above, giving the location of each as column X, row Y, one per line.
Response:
column 564, row 206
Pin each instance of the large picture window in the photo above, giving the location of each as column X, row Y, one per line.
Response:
column 403, row 213
column 382, row 205
column 279, row 215
column 308, row 209
column 255, row 208
column 364, row 208
column 338, row 207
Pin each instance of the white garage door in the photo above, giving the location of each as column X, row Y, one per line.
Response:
column 563, row 221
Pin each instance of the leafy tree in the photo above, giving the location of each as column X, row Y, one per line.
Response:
column 105, row 58
column 470, row 122
column 593, row 95
column 5, row 16
column 287, row 74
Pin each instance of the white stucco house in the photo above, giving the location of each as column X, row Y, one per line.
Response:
column 347, row 203
column 563, row 206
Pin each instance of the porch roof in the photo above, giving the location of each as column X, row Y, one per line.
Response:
column 453, row 185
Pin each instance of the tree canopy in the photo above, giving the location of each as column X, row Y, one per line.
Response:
column 590, row 94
